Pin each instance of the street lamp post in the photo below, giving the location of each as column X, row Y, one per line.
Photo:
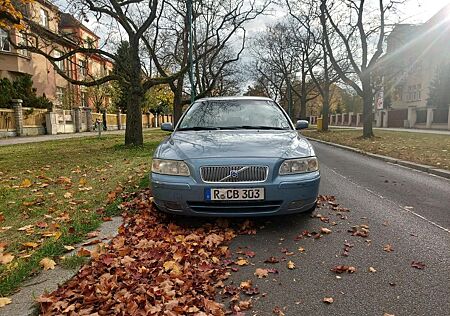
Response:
column 191, row 62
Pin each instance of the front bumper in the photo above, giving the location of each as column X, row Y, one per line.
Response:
column 284, row 195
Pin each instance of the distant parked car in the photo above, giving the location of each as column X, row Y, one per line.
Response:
column 235, row 156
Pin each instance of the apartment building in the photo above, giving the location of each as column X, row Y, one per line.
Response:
column 414, row 54
column 46, row 80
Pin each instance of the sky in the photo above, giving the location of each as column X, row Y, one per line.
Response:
column 413, row 11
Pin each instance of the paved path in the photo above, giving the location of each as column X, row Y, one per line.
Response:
column 407, row 209
column 409, row 130
column 44, row 138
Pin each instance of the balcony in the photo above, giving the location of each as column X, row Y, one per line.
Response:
column 14, row 62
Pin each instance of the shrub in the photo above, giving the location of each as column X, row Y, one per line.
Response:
column 21, row 88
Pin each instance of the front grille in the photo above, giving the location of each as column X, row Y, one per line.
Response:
column 235, row 207
column 243, row 174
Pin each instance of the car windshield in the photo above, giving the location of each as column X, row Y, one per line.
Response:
column 234, row 114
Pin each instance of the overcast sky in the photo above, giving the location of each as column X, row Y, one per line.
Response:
column 413, row 11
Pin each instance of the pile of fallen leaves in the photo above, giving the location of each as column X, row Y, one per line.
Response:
column 152, row 267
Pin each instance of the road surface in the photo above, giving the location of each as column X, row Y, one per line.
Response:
column 403, row 208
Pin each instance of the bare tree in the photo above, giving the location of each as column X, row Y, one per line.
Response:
column 217, row 26
column 361, row 30
column 320, row 69
column 281, row 56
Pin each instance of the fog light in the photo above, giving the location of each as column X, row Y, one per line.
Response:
column 296, row 205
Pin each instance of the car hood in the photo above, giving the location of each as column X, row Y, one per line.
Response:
column 233, row 144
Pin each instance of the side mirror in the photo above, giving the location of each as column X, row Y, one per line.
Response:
column 167, row 127
column 301, row 124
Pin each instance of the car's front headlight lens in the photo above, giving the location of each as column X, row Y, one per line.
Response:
column 170, row 167
column 301, row 165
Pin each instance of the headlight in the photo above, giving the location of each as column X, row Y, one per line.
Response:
column 170, row 167
column 301, row 165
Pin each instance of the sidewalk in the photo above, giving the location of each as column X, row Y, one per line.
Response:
column 392, row 129
column 43, row 138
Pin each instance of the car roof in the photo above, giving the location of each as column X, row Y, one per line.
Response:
column 234, row 98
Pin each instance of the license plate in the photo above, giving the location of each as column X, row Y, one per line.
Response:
column 250, row 194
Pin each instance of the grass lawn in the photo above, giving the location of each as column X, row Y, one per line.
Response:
column 428, row 149
column 53, row 193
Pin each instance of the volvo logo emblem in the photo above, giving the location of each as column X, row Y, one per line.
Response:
column 234, row 173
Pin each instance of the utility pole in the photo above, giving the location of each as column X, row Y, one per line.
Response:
column 191, row 62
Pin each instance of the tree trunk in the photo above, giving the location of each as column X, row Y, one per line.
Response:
column 133, row 131
column 367, row 108
column 289, row 98
column 177, row 101
column 304, row 97
column 325, row 107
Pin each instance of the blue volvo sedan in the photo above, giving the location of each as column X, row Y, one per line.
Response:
column 235, row 156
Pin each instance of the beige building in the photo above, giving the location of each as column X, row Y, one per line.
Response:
column 414, row 54
column 46, row 80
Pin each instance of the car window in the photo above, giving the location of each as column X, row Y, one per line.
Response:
column 235, row 114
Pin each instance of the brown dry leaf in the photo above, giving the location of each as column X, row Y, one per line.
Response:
column 388, row 248
column 177, row 268
column 47, row 264
column 68, row 195
column 82, row 181
column 245, row 305
column 301, row 249
column 261, row 273
column 4, row 301
column 111, row 196
column 290, row 265
column 174, row 267
column 246, row 285
column 242, row 262
column 6, row 258
column 82, row 252
column 343, row 268
column 328, row 300
column 41, row 224
column 69, row 248
column 325, row 230
column 26, row 183
column 272, row 260
column 277, row 311
column 26, row 227
column 418, row 265
column 30, row 244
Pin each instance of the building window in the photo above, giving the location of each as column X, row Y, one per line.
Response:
column 4, row 43
column 414, row 93
column 60, row 94
column 84, row 99
column 23, row 42
column 43, row 17
column 83, row 67
column 59, row 63
column 89, row 42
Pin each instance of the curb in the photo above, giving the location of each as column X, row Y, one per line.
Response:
column 424, row 168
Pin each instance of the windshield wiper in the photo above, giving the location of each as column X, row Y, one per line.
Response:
column 198, row 128
column 255, row 127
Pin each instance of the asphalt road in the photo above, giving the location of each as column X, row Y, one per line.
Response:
column 406, row 209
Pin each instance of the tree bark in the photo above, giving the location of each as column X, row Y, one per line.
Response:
column 325, row 107
column 133, row 131
column 367, row 107
column 178, row 100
